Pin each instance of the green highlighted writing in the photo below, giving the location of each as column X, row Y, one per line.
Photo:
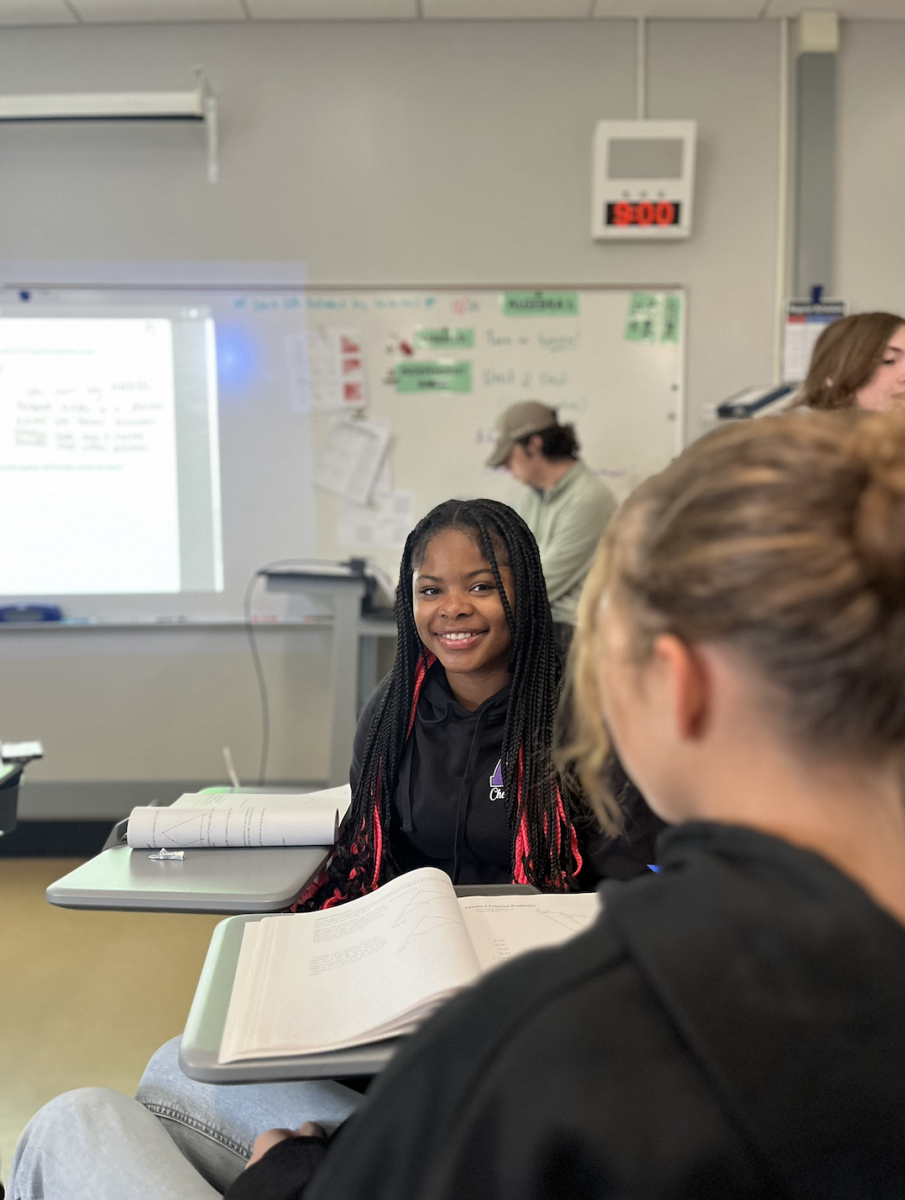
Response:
column 444, row 339
column 540, row 304
column 643, row 314
column 672, row 319
column 442, row 376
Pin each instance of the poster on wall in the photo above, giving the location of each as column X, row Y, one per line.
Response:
column 805, row 321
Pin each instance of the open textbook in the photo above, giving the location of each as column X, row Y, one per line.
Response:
column 377, row 966
column 229, row 819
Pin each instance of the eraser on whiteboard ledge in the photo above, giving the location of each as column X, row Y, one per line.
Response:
column 30, row 613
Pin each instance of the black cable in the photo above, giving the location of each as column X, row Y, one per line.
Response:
column 255, row 653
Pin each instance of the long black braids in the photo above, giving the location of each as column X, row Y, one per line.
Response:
column 540, row 803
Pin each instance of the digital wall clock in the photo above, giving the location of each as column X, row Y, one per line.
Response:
column 643, row 179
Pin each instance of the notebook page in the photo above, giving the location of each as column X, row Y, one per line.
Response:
column 501, row 927
column 248, row 824
column 334, row 978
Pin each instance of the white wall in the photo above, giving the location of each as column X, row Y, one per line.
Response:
column 383, row 153
column 128, row 716
column 870, row 218
column 411, row 153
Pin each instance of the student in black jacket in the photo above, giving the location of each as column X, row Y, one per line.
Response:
column 453, row 764
column 733, row 1026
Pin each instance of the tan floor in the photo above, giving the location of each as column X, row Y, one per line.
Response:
column 85, row 997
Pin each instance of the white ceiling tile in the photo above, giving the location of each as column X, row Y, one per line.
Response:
column 115, row 11
column 724, row 10
column 506, row 10
column 850, row 10
column 35, row 12
column 332, row 10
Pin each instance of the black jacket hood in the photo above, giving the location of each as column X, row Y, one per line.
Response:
column 775, row 966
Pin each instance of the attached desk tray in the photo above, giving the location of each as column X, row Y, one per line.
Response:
column 204, row 1029
column 204, row 881
column 198, row 1056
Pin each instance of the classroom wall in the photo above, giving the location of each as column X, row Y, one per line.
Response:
column 408, row 152
column 870, row 166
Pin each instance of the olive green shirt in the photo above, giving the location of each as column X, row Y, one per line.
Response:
column 568, row 522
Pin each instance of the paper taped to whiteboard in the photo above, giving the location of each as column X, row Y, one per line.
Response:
column 350, row 462
column 327, row 370
column 384, row 524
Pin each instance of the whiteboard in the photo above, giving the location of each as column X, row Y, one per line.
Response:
column 609, row 360
column 436, row 367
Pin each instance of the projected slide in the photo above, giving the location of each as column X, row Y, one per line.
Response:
column 89, row 455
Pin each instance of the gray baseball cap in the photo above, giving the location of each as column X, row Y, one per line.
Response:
column 517, row 422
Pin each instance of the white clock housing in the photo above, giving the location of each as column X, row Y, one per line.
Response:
column 643, row 179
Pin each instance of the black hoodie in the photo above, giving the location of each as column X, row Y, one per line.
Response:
column 733, row 1027
column 449, row 810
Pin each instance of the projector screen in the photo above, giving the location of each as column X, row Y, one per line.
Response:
column 109, row 450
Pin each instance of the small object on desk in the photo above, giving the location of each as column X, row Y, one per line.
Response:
column 167, row 856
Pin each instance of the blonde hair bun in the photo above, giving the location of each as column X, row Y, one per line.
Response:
column 783, row 538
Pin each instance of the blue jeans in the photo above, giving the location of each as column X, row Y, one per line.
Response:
column 178, row 1140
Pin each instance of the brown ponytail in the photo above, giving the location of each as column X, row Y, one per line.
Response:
column 785, row 539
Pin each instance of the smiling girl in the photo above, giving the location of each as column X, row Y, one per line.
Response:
column 452, row 765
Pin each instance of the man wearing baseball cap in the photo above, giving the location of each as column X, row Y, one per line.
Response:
column 566, row 506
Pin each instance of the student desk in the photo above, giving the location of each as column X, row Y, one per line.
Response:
column 205, row 881
column 204, row 1028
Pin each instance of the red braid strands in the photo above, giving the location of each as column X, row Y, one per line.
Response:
column 378, row 855
column 425, row 662
column 310, row 891
column 523, row 867
column 565, row 823
column 522, row 853
column 522, row 845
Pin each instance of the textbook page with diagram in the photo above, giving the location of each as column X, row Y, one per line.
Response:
column 378, row 966
column 232, row 819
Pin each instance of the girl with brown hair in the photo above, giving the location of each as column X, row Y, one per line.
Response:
column 858, row 362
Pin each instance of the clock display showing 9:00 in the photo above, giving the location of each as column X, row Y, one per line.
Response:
column 643, row 212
